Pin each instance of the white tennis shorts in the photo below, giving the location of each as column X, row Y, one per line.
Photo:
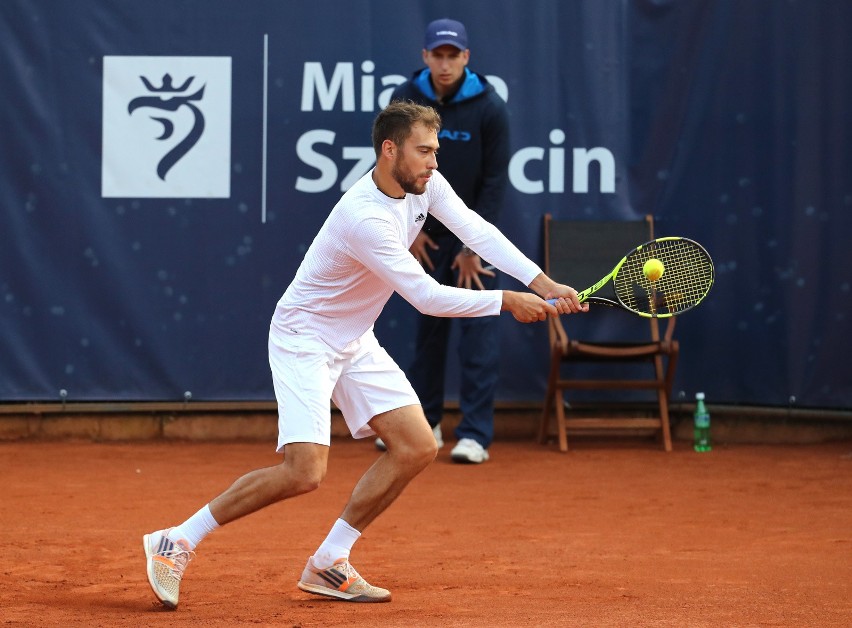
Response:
column 362, row 380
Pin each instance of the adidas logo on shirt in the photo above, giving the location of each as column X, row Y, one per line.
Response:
column 420, row 218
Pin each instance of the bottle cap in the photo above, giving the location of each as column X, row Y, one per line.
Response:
column 699, row 396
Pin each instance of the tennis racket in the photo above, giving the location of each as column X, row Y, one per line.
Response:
column 686, row 279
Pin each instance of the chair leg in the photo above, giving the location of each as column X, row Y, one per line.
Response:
column 670, row 371
column 662, row 397
column 559, row 400
column 544, row 423
column 671, row 363
column 663, row 400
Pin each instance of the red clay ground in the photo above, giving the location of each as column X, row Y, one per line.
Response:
column 611, row 534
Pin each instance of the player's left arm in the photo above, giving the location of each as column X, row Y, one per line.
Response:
column 476, row 232
column 375, row 243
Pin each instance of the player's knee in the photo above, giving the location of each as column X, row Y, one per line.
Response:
column 417, row 454
column 301, row 479
column 430, row 452
column 310, row 481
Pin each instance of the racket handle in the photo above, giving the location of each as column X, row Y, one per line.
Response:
column 601, row 300
column 553, row 301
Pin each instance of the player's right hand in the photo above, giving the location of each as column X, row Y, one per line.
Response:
column 526, row 307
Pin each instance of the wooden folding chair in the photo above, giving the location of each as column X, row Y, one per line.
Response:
column 580, row 253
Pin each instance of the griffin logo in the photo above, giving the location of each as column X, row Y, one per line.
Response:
column 175, row 98
column 166, row 127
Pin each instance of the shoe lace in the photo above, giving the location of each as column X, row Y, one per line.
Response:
column 348, row 570
column 181, row 558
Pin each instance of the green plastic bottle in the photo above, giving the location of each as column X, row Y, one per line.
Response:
column 701, row 440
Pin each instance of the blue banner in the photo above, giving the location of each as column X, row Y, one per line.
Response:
column 165, row 165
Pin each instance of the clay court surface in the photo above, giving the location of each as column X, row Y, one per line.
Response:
column 611, row 534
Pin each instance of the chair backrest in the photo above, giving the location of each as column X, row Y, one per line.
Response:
column 580, row 252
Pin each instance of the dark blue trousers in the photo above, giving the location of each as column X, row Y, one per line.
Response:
column 478, row 352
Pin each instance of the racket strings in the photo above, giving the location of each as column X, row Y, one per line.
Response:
column 686, row 280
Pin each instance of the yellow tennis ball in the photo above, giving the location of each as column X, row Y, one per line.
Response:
column 653, row 269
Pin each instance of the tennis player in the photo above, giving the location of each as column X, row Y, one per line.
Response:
column 322, row 346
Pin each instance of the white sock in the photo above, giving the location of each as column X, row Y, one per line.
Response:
column 337, row 544
column 194, row 529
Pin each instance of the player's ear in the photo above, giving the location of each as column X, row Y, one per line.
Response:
column 389, row 149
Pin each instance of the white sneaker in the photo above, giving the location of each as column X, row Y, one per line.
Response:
column 342, row 582
column 469, row 451
column 166, row 560
column 439, row 439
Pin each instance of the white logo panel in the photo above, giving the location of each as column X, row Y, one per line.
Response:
column 166, row 127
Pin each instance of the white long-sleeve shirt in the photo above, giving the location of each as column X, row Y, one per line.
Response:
column 361, row 256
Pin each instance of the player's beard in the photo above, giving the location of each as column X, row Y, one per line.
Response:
column 407, row 181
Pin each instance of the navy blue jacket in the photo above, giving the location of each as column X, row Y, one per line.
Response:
column 474, row 141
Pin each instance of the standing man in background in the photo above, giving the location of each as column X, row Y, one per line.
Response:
column 474, row 159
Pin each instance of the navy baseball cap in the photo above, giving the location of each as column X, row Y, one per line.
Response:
column 445, row 32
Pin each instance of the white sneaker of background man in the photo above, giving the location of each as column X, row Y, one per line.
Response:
column 469, row 451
